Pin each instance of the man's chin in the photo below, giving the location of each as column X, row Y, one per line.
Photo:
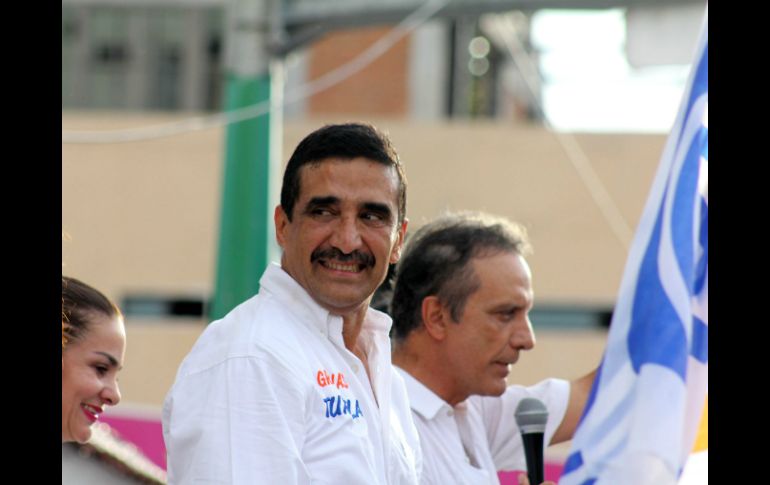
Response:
column 342, row 306
column 497, row 389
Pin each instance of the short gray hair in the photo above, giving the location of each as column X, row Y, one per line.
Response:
column 435, row 263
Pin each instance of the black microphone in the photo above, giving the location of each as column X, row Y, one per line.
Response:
column 531, row 416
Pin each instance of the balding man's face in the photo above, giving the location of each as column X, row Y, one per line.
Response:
column 494, row 326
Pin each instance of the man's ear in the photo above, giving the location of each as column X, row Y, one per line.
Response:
column 395, row 254
column 434, row 318
column 281, row 221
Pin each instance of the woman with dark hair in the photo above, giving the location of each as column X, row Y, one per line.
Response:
column 93, row 346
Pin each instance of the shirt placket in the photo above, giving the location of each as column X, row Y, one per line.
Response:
column 334, row 325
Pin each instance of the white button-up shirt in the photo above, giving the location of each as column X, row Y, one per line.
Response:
column 270, row 394
column 470, row 442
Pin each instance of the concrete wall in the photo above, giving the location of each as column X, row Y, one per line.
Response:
column 143, row 217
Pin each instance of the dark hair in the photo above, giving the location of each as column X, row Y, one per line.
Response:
column 346, row 141
column 80, row 303
column 435, row 263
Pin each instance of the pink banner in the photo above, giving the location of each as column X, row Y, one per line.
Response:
column 145, row 434
column 552, row 472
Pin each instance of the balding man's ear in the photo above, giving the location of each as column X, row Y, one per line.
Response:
column 434, row 317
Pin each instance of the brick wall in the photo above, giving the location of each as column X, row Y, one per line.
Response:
column 386, row 76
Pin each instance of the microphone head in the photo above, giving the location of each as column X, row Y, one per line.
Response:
column 531, row 415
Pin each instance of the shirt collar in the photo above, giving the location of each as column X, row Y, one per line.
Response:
column 421, row 399
column 277, row 281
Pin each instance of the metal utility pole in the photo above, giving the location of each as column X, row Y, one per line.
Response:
column 252, row 158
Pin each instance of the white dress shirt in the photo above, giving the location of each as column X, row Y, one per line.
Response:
column 270, row 394
column 470, row 442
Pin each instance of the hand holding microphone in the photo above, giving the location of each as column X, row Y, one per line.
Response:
column 531, row 416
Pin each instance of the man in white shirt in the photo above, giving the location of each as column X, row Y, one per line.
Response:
column 460, row 309
column 295, row 385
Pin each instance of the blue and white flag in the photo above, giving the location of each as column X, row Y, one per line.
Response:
column 644, row 410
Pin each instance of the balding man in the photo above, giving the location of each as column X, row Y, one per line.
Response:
column 460, row 307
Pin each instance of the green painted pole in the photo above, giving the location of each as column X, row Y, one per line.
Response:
column 252, row 152
column 243, row 237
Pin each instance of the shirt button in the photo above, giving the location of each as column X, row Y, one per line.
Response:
column 355, row 368
column 449, row 413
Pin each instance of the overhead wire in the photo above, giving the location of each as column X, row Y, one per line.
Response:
column 505, row 28
column 411, row 22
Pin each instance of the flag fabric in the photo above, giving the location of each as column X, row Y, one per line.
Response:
column 644, row 411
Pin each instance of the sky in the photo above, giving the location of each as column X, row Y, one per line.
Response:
column 589, row 84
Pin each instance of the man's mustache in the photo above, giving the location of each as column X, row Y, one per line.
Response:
column 333, row 253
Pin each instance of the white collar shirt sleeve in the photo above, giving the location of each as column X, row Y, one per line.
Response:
column 269, row 394
column 470, row 442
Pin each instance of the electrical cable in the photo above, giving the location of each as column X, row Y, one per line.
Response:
column 506, row 30
column 411, row 22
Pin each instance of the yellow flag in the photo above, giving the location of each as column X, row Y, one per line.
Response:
column 702, row 439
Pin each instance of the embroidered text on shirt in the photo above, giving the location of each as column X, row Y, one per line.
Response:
column 324, row 379
column 337, row 405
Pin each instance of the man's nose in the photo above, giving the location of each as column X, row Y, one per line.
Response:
column 347, row 236
column 523, row 336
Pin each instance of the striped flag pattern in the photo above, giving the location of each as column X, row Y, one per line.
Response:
column 644, row 411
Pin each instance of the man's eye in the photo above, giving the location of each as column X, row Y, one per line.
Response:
column 100, row 369
column 370, row 216
column 508, row 315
